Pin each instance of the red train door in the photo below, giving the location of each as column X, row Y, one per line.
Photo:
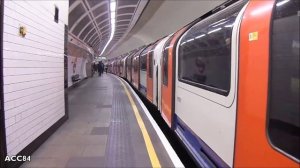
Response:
column 168, row 77
column 266, row 134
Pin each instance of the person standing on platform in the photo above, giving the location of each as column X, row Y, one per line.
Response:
column 94, row 68
column 100, row 68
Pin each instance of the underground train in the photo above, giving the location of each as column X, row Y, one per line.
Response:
column 227, row 83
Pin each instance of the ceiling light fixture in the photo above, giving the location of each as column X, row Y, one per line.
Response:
column 112, row 5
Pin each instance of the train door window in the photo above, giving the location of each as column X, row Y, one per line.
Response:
column 204, row 58
column 135, row 68
column 143, row 63
column 143, row 60
column 283, row 108
column 165, row 61
column 128, row 64
column 150, row 63
column 134, row 65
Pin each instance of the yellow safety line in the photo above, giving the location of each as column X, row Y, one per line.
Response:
column 151, row 151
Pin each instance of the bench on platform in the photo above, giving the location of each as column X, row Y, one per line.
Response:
column 75, row 78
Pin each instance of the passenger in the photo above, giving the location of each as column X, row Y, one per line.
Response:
column 94, row 68
column 99, row 68
column 102, row 68
column 199, row 75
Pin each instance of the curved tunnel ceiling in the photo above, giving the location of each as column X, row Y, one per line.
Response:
column 161, row 18
column 89, row 21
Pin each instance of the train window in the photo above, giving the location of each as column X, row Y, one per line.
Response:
column 205, row 52
column 165, row 61
column 283, row 113
column 131, row 64
column 135, row 65
column 143, row 63
column 150, row 63
column 143, row 59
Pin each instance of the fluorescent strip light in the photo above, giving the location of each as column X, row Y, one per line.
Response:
column 215, row 30
column 112, row 15
column 182, row 43
column 219, row 24
column 190, row 40
column 218, row 21
column 113, row 5
column 112, row 23
column 200, row 36
column 282, row 2
column 229, row 25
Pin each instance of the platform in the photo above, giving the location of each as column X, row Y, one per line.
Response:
column 107, row 127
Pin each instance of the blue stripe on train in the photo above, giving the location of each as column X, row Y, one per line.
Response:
column 203, row 154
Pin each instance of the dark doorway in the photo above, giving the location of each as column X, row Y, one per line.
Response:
column 2, row 118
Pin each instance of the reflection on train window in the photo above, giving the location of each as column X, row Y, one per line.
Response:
column 151, row 61
column 135, row 65
column 143, row 63
column 150, row 64
column 284, row 116
column 205, row 53
column 132, row 64
column 165, row 61
column 143, row 59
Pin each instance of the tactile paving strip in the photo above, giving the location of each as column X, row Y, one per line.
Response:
column 119, row 149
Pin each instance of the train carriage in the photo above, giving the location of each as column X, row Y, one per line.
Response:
column 222, row 76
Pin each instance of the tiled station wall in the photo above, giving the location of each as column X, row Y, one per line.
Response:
column 33, row 69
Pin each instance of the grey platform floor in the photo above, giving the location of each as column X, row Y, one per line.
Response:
column 101, row 131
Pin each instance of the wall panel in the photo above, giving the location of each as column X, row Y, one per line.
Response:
column 33, row 70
